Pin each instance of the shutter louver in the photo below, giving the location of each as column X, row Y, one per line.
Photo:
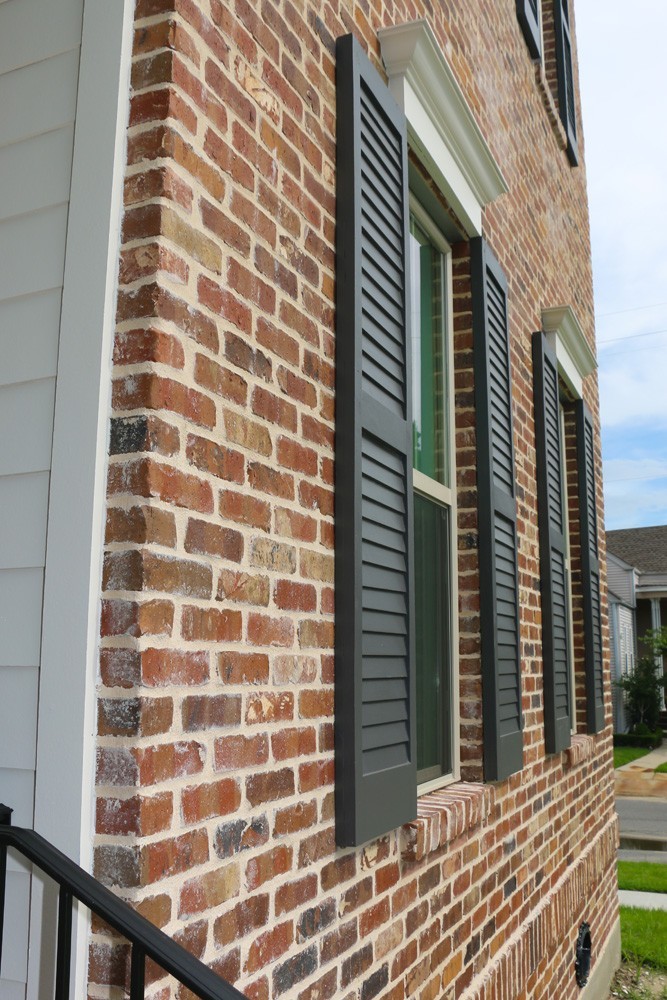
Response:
column 376, row 777
column 499, row 605
column 590, row 569
column 528, row 13
column 566, row 104
column 553, row 574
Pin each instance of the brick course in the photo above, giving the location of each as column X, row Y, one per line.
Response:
column 215, row 759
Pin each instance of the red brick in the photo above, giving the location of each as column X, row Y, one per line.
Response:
column 267, row 866
column 290, row 743
column 208, row 456
column 291, row 596
column 200, row 802
column 262, row 708
column 210, row 625
column 241, row 751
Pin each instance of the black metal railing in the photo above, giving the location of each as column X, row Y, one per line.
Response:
column 146, row 940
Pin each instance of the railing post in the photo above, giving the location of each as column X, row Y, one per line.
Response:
column 137, row 972
column 64, row 944
column 5, row 820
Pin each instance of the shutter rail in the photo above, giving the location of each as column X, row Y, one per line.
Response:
column 146, row 940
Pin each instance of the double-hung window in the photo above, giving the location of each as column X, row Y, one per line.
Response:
column 434, row 499
column 396, row 703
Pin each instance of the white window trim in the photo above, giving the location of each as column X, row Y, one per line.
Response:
column 447, row 496
column 441, row 127
column 575, row 357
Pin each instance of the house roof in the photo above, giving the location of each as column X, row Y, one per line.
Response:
column 645, row 548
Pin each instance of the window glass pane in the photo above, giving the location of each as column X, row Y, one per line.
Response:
column 427, row 326
column 432, row 626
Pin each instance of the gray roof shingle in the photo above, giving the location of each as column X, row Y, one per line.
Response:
column 645, row 548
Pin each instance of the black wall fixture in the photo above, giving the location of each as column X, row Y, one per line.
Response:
column 582, row 962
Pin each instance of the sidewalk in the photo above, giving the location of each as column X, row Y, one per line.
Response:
column 643, row 900
column 639, row 780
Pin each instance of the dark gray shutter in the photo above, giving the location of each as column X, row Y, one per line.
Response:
column 566, row 105
column 590, row 569
column 499, row 606
column 528, row 12
column 376, row 782
column 553, row 573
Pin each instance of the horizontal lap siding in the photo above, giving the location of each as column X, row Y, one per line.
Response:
column 39, row 65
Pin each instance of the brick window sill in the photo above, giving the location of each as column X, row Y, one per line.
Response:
column 581, row 748
column 443, row 816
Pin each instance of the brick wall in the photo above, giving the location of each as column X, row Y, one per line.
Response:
column 215, row 727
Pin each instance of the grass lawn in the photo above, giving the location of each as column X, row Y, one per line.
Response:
column 661, row 768
column 643, row 876
column 644, row 936
column 625, row 755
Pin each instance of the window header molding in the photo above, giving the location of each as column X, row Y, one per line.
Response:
column 576, row 360
column 442, row 128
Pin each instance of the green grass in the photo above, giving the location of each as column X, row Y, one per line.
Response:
column 643, row 876
column 662, row 768
column 644, row 936
column 625, row 755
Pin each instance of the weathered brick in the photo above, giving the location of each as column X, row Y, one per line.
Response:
column 267, row 866
column 205, row 892
column 199, row 802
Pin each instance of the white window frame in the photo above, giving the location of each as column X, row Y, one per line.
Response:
column 445, row 495
column 445, row 137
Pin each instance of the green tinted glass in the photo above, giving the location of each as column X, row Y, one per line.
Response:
column 432, row 628
column 427, row 325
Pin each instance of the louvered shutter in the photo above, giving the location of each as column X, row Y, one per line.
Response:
column 553, row 552
column 499, row 606
column 590, row 569
column 528, row 13
column 566, row 105
column 376, row 778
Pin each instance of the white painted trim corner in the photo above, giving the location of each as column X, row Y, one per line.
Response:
column 70, row 630
column 576, row 359
column 442, row 128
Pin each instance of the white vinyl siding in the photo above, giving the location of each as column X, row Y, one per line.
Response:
column 39, row 66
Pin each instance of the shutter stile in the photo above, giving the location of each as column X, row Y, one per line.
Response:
column 499, row 605
column 551, row 521
column 376, row 784
column 590, row 569
column 566, row 104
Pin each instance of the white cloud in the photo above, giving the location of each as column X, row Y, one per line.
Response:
column 635, row 504
column 633, row 385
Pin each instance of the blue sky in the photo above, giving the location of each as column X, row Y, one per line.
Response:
column 623, row 79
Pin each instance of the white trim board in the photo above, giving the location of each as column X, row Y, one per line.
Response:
column 65, row 741
column 441, row 126
column 575, row 358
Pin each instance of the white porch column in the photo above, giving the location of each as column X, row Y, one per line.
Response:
column 656, row 623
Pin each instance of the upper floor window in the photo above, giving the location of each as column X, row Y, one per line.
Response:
column 434, row 500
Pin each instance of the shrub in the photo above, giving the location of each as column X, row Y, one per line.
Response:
column 642, row 686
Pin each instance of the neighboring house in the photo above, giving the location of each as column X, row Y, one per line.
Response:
column 621, row 586
column 645, row 549
column 254, row 270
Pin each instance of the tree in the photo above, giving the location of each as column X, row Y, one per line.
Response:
column 642, row 685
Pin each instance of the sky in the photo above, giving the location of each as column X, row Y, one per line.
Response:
column 623, row 80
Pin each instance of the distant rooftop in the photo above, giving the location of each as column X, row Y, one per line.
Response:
column 645, row 548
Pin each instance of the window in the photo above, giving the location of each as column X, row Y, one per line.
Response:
column 384, row 442
column 434, row 504
column 566, row 106
column 528, row 12
column 561, row 360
